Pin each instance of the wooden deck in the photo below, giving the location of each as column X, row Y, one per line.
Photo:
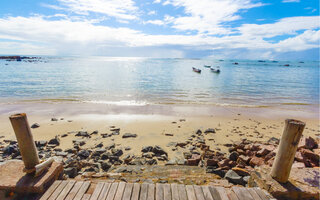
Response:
column 79, row 190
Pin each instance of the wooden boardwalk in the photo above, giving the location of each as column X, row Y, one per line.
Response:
column 79, row 190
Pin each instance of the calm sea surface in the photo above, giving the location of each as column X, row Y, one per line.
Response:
column 139, row 81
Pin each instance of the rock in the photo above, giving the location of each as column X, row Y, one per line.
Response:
column 71, row 172
column 151, row 162
column 172, row 162
column 182, row 144
column 168, row 134
column 55, row 141
column 256, row 161
column 298, row 165
column 193, row 162
column 10, row 149
column 127, row 135
column 310, row 143
column 105, row 156
column 99, row 145
column 159, row 151
column 63, row 154
column 110, row 146
column 298, row 156
column 234, row 178
column 83, row 154
column 79, row 142
column 307, row 154
column 127, row 148
column 209, row 130
column 218, row 171
column 240, row 171
column 212, row 162
column 35, row 125
column 273, row 140
column 105, row 166
column 83, row 134
column 148, row 155
column 224, row 163
column 147, row 149
column 94, row 132
column 54, row 119
column 100, row 151
column 116, row 152
column 41, row 143
column 263, row 152
column 234, row 156
column 64, row 135
column 187, row 155
column 199, row 132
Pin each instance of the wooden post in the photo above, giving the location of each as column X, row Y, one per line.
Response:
column 25, row 140
column 287, row 149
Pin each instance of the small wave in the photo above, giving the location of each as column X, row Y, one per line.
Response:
column 119, row 103
column 299, row 104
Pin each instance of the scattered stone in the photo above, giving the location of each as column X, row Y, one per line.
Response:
column 147, row 149
column 168, row 134
column 84, row 154
column 127, row 135
column 117, row 152
column 54, row 119
column 158, row 150
column 35, row 125
column 234, row 156
column 71, row 172
column 55, row 141
column 209, row 130
column 83, row 134
column 234, row 178
column 256, row 161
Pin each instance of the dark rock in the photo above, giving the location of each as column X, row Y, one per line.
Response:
column 209, row 130
column 79, row 142
column 84, row 154
column 151, row 162
column 71, row 172
column 212, row 162
column 105, row 166
column 116, row 152
column 127, row 148
column 159, row 151
column 99, row 145
column 105, row 156
column 218, row 171
column 310, row 143
column 234, row 156
column 41, row 143
column 35, row 125
column 10, row 149
column 64, row 135
column 198, row 132
column 263, row 152
column 94, row 132
column 54, row 119
column 55, row 141
column 127, row 135
column 147, row 149
column 110, row 146
column 234, row 178
column 83, row 134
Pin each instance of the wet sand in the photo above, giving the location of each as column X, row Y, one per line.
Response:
column 152, row 122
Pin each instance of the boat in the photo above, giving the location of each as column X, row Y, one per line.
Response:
column 236, row 63
column 207, row 66
column 196, row 70
column 215, row 70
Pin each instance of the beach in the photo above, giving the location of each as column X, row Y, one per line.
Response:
column 153, row 124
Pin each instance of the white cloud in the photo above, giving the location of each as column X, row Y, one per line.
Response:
column 155, row 22
column 157, row 1
column 288, row 25
column 290, row 1
column 152, row 12
column 207, row 16
column 122, row 9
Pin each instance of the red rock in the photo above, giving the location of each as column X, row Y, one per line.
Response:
column 232, row 163
column 193, row 162
column 224, row 163
column 240, row 171
column 244, row 159
column 269, row 156
column 310, row 143
column 263, row 152
column 250, row 153
column 255, row 147
column 212, row 162
column 247, row 147
column 241, row 152
column 310, row 155
column 298, row 157
column 270, row 162
column 298, row 165
column 256, row 161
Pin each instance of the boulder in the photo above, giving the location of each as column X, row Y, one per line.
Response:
column 55, row 141
column 256, row 161
column 159, row 151
column 116, row 152
column 83, row 154
column 234, row 156
column 147, row 149
column 35, row 125
column 209, row 130
column 71, row 172
column 83, row 134
column 310, row 143
column 105, row 166
column 234, row 178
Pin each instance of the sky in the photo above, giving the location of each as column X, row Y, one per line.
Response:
column 235, row 29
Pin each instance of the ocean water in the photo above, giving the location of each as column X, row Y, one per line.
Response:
column 140, row 81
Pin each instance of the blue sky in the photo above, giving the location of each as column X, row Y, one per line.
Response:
column 250, row 29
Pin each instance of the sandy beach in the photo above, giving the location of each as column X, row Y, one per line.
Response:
column 153, row 124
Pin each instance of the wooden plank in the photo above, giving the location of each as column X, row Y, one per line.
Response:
column 74, row 190
column 214, row 192
column 66, row 190
column 167, row 191
column 127, row 191
column 82, row 190
column 135, row 191
column 261, row 193
column 182, row 192
column 112, row 191
column 97, row 191
column 51, row 189
column 232, row 195
column 120, row 190
column 198, row 192
column 253, row 194
column 159, row 191
column 143, row 191
column 86, row 197
column 207, row 193
column 104, row 192
column 242, row 194
column 151, row 192
column 174, row 191
column 56, row 193
column 223, row 193
column 190, row 192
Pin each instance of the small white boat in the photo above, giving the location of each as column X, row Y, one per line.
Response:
column 215, row 70
column 196, row 70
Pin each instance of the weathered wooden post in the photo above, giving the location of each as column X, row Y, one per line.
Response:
column 287, row 149
column 25, row 141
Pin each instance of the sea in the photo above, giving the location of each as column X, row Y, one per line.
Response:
column 144, row 81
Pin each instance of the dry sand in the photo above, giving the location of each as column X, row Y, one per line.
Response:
column 152, row 122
